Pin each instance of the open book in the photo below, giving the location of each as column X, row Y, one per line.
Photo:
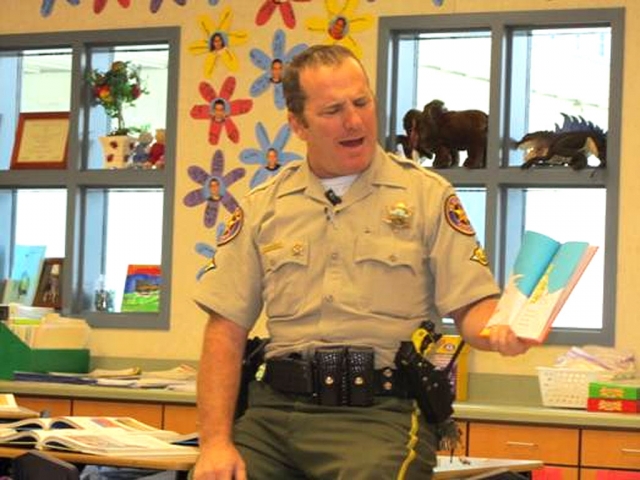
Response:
column 87, row 424
column 543, row 276
column 109, row 441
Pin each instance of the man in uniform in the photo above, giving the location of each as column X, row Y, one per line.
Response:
column 347, row 252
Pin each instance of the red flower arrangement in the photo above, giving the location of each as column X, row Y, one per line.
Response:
column 119, row 86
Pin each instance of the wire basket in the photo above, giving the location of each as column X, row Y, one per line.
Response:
column 561, row 387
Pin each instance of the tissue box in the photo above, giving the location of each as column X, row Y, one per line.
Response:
column 16, row 355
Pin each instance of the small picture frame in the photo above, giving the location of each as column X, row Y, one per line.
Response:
column 41, row 141
column 49, row 292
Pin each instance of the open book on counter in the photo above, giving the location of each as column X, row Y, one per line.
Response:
column 543, row 276
column 85, row 423
column 108, row 441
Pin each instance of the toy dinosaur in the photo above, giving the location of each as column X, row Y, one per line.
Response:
column 570, row 144
column 443, row 133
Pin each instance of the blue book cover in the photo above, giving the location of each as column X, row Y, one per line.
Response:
column 25, row 273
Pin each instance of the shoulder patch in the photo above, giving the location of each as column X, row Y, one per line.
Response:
column 456, row 216
column 232, row 227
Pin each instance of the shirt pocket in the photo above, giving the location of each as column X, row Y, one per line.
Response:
column 391, row 277
column 286, row 267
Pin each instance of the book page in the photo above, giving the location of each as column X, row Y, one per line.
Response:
column 533, row 257
column 552, row 291
column 110, row 442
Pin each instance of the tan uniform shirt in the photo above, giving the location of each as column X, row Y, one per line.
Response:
column 397, row 250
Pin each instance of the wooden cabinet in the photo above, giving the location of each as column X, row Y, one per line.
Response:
column 180, row 418
column 149, row 413
column 610, row 449
column 52, row 407
column 552, row 445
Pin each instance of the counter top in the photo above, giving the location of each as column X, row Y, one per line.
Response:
column 473, row 411
column 544, row 415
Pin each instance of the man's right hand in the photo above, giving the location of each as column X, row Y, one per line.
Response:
column 220, row 463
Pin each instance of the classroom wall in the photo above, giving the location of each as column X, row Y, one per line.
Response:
column 183, row 339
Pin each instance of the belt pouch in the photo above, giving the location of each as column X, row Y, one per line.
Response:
column 290, row 375
column 330, row 367
column 360, row 376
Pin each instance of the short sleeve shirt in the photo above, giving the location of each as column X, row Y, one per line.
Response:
column 397, row 250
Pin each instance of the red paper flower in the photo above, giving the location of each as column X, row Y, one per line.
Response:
column 286, row 10
column 220, row 108
column 98, row 5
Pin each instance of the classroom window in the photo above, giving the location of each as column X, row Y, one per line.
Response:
column 99, row 219
column 526, row 71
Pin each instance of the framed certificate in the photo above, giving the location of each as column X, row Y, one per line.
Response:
column 41, row 141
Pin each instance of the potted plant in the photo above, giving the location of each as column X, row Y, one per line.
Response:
column 113, row 89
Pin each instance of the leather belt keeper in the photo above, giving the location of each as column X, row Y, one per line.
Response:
column 335, row 376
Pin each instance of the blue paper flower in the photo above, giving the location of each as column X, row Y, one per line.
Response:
column 273, row 67
column 270, row 156
column 47, row 6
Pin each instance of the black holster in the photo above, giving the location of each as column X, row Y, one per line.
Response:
column 429, row 386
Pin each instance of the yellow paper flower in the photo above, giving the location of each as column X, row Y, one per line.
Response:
column 217, row 42
column 340, row 23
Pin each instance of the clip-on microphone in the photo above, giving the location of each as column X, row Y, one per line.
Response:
column 332, row 197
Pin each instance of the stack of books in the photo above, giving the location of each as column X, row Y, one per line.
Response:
column 616, row 396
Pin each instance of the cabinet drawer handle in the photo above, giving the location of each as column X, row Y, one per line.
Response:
column 521, row 444
column 630, row 450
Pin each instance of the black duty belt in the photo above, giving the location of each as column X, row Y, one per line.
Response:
column 335, row 376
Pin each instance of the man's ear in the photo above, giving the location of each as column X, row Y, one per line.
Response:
column 297, row 126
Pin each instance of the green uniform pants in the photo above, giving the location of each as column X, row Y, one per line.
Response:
column 284, row 437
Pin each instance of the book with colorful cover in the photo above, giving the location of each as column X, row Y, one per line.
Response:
column 613, row 405
column 543, row 276
column 22, row 283
column 142, row 289
column 615, row 389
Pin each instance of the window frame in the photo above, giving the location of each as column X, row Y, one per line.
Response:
column 80, row 271
column 497, row 178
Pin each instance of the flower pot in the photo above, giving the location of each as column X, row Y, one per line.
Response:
column 117, row 150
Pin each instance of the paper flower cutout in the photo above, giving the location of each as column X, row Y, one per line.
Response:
column 98, row 5
column 340, row 24
column 47, row 6
column 217, row 42
column 214, row 188
column 220, row 108
column 273, row 67
column 156, row 4
column 270, row 156
column 286, row 10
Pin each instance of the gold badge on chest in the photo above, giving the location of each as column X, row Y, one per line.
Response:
column 399, row 216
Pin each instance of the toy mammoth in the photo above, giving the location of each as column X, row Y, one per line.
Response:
column 443, row 133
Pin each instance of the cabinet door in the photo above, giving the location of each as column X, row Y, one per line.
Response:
column 612, row 449
column 149, row 413
column 180, row 418
column 558, row 446
column 53, row 407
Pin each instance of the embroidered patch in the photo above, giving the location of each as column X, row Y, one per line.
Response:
column 456, row 216
column 232, row 227
column 479, row 255
column 399, row 216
